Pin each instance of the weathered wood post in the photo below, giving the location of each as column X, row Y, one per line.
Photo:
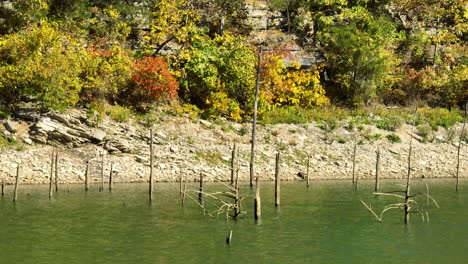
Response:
column 308, row 167
column 51, row 176
column 200, row 193
column 111, row 177
column 257, row 202
column 180, row 182
column 233, row 163
column 377, row 171
column 150, row 191
column 102, row 173
column 3, row 187
column 229, row 238
column 185, row 190
column 87, row 176
column 56, row 171
column 354, row 163
column 254, row 122
column 277, row 180
column 459, row 146
column 15, row 192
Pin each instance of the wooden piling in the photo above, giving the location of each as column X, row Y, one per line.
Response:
column 459, row 147
column 200, row 193
column 3, row 187
column 102, row 174
column 354, row 163
column 15, row 192
column 87, row 176
column 180, row 182
column 233, row 163
column 51, row 176
column 56, row 171
column 150, row 191
column 185, row 190
column 111, row 177
column 254, row 122
column 277, row 180
column 377, row 171
column 229, row 238
column 257, row 201
column 308, row 167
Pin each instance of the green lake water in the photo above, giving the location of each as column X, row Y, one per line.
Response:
column 325, row 224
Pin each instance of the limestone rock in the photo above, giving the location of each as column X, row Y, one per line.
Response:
column 11, row 126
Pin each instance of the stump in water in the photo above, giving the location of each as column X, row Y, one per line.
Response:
column 200, row 193
column 15, row 192
column 150, row 191
column 111, row 177
column 459, row 147
column 377, row 171
column 277, row 180
column 56, row 171
column 51, row 176
column 233, row 163
column 87, row 176
column 229, row 238
column 254, row 122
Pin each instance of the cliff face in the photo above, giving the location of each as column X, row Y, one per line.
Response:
column 190, row 147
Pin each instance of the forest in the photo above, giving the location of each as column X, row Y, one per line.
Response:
column 201, row 57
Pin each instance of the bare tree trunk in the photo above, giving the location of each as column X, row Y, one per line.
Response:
column 254, row 122
column 277, row 180
column 408, row 176
column 150, row 191
column 377, row 171
column 15, row 192
column 233, row 163
column 51, row 176
column 257, row 202
column 459, row 147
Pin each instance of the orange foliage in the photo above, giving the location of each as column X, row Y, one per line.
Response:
column 153, row 77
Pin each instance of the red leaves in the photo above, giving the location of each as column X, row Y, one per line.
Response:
column 153, row 77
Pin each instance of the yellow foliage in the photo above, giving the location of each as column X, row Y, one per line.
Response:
column 220, row 104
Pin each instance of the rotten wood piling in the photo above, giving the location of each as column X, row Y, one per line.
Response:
column 150, row 191
column 354, row 163
column 111, row 177
column 101, row 188
column 200, row 193
column 87, row 176
column 377, row 171
column 277, row 180
column 459, row 147
column 15, row 192
column 51, row 176
column 233, row 163
column 308, row 167
column 254, row 122
column 56, row 171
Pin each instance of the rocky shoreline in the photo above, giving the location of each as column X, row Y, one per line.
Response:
column 190, row 147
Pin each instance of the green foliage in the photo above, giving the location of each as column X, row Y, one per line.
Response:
column 41, row 62
column 439, row 117
column 394, row 138
column 286, row 115
column 118, row 113
column 15, row 15
column 424, row 130
column 392, row 123
column 218, row 75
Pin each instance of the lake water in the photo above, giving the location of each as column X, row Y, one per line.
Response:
column 325, row 224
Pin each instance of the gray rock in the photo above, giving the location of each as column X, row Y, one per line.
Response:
column 98, row 135
column 62, row 118
column 11, row 126
column 205, row 123
column 27, row 140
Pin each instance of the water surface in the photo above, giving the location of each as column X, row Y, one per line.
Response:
column 325, row 224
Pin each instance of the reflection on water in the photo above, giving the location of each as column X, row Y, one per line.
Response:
column 325, row 224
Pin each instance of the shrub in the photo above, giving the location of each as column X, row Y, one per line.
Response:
column 424, row 130
column 118, row 113
column 152, row 81
column 284, row 115
column 394, row 138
